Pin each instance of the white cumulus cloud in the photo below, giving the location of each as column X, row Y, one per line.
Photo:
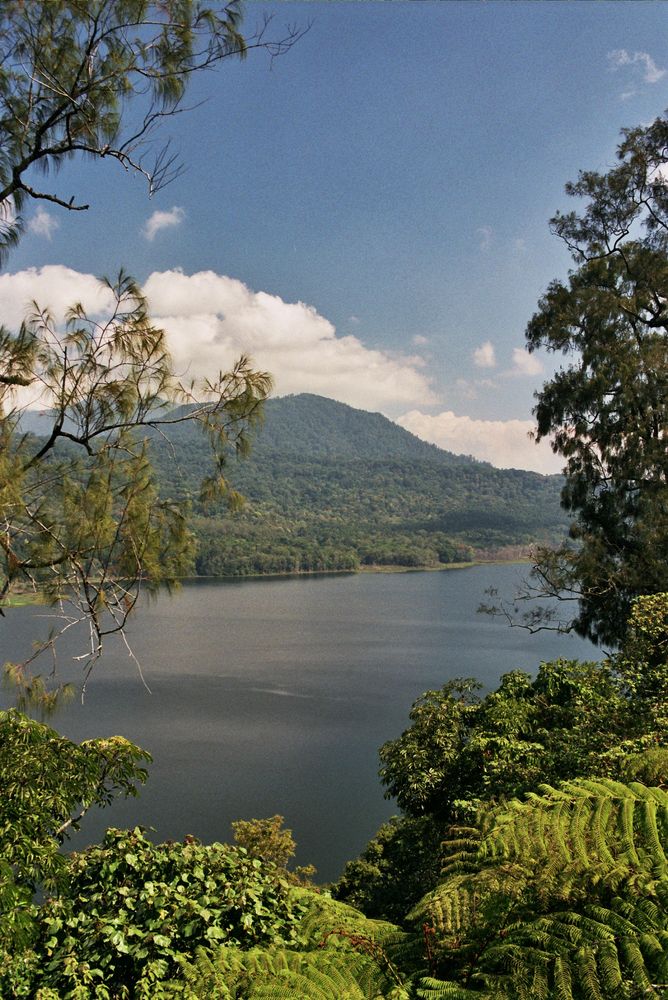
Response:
column 43, row 223
column 484, row 356
column 162, row 220
column 211, row 319
column 54, row 287
column 504, row 443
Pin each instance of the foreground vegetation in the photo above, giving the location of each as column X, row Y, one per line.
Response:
column 529, row 859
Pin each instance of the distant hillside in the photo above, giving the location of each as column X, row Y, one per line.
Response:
column 331, row 487
column 317, row 427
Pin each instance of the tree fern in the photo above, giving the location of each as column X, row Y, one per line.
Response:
column 325, row 915
column 429, row 988
column 343, row 957
column 563, row 895
column 321, row 975
column 279, row 974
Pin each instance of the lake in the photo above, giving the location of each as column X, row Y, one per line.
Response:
column 273, row 695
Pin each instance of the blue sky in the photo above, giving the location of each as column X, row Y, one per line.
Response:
column 368, row 215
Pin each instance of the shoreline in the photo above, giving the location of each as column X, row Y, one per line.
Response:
column 20, row 600
column 380, row 568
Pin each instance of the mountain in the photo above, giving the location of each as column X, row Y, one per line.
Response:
column 322, row 428
column 328, row 486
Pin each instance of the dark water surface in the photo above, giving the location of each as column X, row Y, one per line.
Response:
column 273, row 696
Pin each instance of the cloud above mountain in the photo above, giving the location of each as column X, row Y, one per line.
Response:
column 507, row 444
column 212, row 319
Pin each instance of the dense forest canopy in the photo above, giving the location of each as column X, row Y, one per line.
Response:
column 329, row 487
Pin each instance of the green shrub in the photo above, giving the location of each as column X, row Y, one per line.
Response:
column 132, row 908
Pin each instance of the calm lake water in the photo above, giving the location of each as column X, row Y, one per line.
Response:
column 273, row 696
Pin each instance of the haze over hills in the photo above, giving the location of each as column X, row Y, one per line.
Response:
column 328, row 486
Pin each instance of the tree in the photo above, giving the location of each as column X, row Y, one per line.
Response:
column 48, row 784
column 80, row 514
column 642, row 663
column 268, row 840
column 98, row 78
column 81, row 517
column 562, row 895
column 463, row 752
column 607, row 412
column 130, row 909
column 397, row 867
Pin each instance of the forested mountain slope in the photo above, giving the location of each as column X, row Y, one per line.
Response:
column 326, row 429
column 331, row 487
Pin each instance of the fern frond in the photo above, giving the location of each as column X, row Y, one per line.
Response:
column 566, row 896
column 437, row 989
column 563, row 981
column 279, row 974
column 325, row 915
